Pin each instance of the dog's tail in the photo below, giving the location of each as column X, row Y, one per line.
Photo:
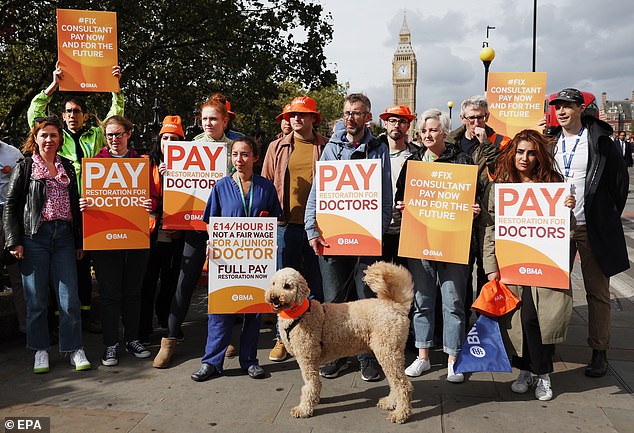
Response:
column 391, row 282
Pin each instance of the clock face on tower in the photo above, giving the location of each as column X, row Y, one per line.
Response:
column 402, row 71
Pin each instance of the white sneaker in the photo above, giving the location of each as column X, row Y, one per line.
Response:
column 453, row 377
column 418, row 367
column 79, row 361
column 523, row 382
column 543, row 392
column 41, row 362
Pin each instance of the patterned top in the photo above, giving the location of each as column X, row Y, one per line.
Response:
column 57, row 203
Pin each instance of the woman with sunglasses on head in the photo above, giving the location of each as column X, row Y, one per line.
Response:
column 531, row 331
column 42, row 224
column 241, row 194
column 120, row 272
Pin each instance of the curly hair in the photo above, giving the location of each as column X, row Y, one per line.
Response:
column 546, row 169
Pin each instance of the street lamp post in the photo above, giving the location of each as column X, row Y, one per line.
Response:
column 450, row 106
column 486, row 55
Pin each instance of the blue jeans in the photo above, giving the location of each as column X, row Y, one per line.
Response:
column 49, row 259
column 293, row 250
column 452, row 279
column 219, row 330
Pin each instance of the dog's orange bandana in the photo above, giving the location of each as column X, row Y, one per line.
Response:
column 295, row 311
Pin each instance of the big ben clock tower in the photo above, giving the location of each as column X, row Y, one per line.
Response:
column 404, row 73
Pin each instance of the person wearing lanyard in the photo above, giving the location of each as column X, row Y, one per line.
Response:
column 593, row 164
column 241, row 194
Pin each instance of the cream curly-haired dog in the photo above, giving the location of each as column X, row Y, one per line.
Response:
column 317, row 333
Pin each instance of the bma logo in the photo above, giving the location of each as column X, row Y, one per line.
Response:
column 348, row 241
column 115, row 236
column 88, row 85
column 192, row 217
column 433, row 253
column 530, row 271
column 240, row 297
column 478, row 351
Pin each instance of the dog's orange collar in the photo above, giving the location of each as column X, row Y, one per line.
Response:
column 295, row 311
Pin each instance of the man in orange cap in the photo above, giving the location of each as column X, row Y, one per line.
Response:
column 397, row 120
column 290, row 164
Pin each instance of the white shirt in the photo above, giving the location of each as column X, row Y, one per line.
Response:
column 573, row 164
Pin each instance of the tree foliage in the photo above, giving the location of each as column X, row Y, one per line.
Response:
column 177, row 52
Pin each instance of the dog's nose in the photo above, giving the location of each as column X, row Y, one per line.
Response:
column 275, row 299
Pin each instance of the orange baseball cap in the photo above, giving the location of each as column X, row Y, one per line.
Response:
column 279, row 117
column 398, row 110
column 303, row 104
column 174, row 125
column 495, row 299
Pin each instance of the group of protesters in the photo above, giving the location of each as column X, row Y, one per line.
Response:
column 42, row 208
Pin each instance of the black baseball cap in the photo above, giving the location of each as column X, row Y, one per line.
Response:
column 568, row 95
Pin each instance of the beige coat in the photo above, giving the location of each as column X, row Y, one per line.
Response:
column 554, row 307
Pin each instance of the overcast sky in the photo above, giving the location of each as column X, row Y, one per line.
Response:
column 586, row 44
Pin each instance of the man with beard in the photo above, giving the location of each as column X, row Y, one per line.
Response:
column 342, row 275
column 397, row 121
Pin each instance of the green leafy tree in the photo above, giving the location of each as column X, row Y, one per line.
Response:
column 176, row 52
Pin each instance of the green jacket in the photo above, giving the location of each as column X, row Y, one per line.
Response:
column 92, row 139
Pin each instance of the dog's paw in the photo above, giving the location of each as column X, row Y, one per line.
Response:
column 386, row 403
column 301, row 412
column 398, row 417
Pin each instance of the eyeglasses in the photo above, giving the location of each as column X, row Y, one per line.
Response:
column 473, row 119
column 113, row 135
column 53, row 119
column 73, row 111
column 347, row 114
column 393, row 121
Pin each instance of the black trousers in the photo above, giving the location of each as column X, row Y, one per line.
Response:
column 191, row 266
column 537, row 357
column 120, row 276
column 164, row 262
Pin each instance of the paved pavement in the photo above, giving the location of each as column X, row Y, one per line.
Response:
column 134, row 397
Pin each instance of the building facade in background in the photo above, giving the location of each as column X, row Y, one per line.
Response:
column 617, row 113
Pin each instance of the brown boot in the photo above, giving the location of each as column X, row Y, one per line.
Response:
column 163, row 358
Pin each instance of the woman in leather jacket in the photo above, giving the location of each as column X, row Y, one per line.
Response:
column 43, row 232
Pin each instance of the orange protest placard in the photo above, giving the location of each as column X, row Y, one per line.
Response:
column 192, row 170
column 242, row 261
column 115, row 189
column 437, row 218
column 349, row 213
column 87, row 50
column 532, row 241
column 516, row 101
